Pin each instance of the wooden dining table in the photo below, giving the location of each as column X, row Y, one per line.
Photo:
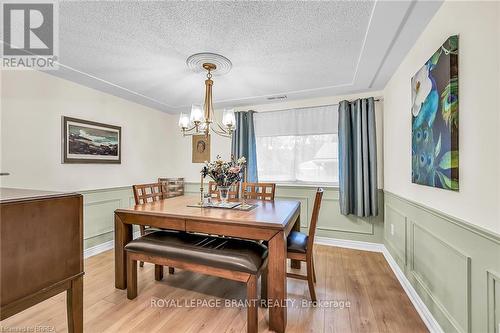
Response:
column 271, row 221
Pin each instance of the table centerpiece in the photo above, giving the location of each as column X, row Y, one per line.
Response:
column 224, row 174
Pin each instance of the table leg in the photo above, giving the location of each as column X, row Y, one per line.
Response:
column 276, row 284
column 123, row 235
column 296, row 227
column 74, row 306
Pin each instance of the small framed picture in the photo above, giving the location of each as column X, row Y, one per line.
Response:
column 90, row 142
column 201, row 148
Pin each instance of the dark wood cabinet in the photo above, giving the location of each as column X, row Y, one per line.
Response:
column 41, row 243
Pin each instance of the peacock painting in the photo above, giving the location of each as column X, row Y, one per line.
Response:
column 435, row 119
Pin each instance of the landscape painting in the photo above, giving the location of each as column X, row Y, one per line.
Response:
column 435, row 119
column 90, row 142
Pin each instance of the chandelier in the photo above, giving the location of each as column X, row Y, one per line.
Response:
column 202, row 119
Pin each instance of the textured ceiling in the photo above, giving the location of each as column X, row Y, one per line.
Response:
column 137, row 50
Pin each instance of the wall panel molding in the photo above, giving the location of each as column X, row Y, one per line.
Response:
column 95, row 210
column 450, row 264
column 493, row 300
column 401, row 248
column 98, row 216
column 462, row 292
column 490, row 235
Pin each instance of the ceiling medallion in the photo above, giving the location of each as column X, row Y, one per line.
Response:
column 202, row 119
column 195, row 63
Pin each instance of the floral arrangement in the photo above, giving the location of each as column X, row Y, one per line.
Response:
column 224, row 173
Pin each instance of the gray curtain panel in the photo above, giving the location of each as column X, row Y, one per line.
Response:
column 244, row 142
column 358, row 158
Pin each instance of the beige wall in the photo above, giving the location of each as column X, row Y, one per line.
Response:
column 31, row 108
column 222, row 146
column 498, row 94
column 477, row 24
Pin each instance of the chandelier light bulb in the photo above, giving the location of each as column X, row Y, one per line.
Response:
column 196, row 114
column 183, row 121
column 228, row 118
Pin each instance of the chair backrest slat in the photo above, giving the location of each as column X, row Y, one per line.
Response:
column 259, row 191
column 234, row 190
column 144, row 193
column 314, row 219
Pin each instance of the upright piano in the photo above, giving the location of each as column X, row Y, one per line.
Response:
column 41, row 251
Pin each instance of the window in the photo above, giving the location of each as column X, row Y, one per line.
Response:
column 297, row 145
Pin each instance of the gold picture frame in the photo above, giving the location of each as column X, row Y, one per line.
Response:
column 201, row 148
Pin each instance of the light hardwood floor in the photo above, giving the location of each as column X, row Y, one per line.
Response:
column 377, row 301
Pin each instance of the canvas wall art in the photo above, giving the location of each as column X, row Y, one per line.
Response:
column 90, row 142
column 435, row 119
column 201, row 148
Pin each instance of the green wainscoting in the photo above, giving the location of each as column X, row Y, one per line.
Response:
column 453, row 265
column 98, row 213
column 331, row 223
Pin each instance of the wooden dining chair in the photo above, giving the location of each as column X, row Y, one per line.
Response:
column 300, row 247
column 234, row 191
column 147, row 193
column 144, row 193
column 171, row 187
column 259, row 191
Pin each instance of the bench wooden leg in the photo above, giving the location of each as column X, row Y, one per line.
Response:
column 158, row 272
column 131, row 278
column 252, row 309
column 142, row 230
column 263, row 286
column 171, row 270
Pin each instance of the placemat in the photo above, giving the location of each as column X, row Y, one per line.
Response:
column 229, row 205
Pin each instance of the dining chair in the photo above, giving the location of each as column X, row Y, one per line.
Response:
column 147, row 193
column 300, row 247
column 171, row 187
column 259, row 191
column 234, row 190
column 144, row 193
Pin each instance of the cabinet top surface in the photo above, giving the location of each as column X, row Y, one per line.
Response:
column 17, row 194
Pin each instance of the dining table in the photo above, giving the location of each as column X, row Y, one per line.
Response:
column 269, row 221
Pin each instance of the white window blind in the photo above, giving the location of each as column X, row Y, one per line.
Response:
column 304, row 121
column 298, row 145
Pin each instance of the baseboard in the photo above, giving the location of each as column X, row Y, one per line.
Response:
column 419, row 305
column 350, row 244
column 94, row 250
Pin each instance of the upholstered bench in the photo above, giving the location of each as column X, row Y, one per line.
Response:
column 233, row 259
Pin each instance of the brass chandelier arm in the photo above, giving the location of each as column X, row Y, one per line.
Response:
column 221, row 131
column 216, row 121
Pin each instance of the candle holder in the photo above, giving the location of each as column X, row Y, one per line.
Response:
column 201, row 191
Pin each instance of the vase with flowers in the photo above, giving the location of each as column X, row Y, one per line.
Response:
column 224, row 174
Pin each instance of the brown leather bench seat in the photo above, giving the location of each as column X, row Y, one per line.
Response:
column 225, row 253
